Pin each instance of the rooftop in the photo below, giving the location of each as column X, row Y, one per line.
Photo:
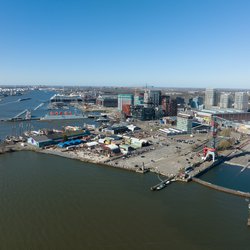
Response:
column 222, row 111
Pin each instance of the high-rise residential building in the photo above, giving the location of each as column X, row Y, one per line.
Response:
column 152, row 98
column 169, row 106
column 211, row 98
column 124, row 100
column 185, row 122
column 225, row 100
column 164, row 101
column 241, row 101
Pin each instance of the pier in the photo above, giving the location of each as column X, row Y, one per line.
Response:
column 222, row 189
column 162, row 184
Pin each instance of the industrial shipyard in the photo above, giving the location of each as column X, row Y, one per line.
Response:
column 178, row 134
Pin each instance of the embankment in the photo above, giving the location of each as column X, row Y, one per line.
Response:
column 222, row 189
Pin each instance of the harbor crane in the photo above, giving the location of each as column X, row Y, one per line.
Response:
column 211, row 151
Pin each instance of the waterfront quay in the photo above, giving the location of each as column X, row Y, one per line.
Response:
column 139, row 146
column 173, row 158
column 124, row 149
column 165, row 156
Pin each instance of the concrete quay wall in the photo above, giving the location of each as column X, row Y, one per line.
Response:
column 222, row 189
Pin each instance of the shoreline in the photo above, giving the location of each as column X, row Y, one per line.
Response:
column 68, row 156
column 105, row 163
column 90, row 157
column 18, row 148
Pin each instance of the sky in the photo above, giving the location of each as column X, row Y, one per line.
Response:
column 168, row 43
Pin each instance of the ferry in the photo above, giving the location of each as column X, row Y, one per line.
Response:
column 65, row 98
column 62, row 116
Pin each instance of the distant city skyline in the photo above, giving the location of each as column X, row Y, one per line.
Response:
column 200, row 44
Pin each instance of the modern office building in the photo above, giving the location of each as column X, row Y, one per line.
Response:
column 125, row 100
column 141, row 113
column 152, row 98
column 241, row 101
column 107, row 100
column 180, row 101
column 211, row 98
column 138, row 99
column 185, row 122
column 196, row 102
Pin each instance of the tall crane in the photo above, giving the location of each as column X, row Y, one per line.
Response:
column 207, row 151
column 211, row 151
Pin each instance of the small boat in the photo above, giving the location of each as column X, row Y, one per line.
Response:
column 161, row 186
column 24, row 99
column 91, row 116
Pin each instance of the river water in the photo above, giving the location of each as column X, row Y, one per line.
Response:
column 10, row 107
column 49, row 202
column 229, row 176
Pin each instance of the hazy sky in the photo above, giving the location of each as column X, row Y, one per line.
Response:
column 203, row 43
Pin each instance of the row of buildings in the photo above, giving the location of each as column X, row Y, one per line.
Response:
column 226, row 100
column 144, row 106
column 112, row 143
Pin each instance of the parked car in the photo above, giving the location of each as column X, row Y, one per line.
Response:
column 188, row 170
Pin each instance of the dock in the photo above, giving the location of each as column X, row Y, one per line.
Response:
column 20, row 119
column 162, row 184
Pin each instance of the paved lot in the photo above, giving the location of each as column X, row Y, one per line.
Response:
column 167, row 157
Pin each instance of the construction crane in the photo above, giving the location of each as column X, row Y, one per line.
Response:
column 211, row 151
